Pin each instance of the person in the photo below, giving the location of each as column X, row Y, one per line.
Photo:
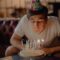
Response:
column 36, row 24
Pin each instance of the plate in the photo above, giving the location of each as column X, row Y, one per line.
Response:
column 31, row 53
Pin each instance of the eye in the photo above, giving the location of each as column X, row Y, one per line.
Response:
column 33, row 21
column 38, row 22
column 41, row 18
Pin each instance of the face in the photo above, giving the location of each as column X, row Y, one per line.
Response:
column 38, row 22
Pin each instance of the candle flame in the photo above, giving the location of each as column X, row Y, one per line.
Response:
column 38, row 41
column 42, row 40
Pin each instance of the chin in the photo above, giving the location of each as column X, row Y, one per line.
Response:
column 38, row 31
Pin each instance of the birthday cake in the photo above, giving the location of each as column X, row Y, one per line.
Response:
column 31, row 53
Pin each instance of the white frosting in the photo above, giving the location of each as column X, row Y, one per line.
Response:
column 31, row 53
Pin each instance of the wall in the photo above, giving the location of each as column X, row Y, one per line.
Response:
column 7, row 6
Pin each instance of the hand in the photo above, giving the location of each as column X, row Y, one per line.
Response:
column 47, row 50
column 21, row 46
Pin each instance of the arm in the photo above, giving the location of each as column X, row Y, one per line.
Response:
column 18, row 33
column 16, row 41
column 57, row 32
column 51, row 50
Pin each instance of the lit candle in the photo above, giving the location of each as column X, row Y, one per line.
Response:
column 27, row 44
column 42, row 40
column 38, row 43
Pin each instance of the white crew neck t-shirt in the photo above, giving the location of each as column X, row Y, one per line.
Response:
column 52, row 30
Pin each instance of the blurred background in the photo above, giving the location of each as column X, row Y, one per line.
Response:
column 10, row 13
column 13, row 8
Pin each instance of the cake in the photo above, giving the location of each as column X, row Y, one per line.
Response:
column 31, row 53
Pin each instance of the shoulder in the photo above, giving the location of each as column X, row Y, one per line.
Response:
column 53, row 20
column 53, row 17
column 24, row 17
column 23, row 20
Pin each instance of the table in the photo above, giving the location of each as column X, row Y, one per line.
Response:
column 16, row 57
column 6, row 58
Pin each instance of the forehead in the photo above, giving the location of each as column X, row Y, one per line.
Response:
column 40, row 18
column 37, row 16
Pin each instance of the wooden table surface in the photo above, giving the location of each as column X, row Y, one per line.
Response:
column 16, row 57
column 6, row 58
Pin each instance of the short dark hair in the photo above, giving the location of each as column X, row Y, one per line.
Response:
column 41, row 10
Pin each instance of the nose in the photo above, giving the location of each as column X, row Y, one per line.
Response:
column 36, row 24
